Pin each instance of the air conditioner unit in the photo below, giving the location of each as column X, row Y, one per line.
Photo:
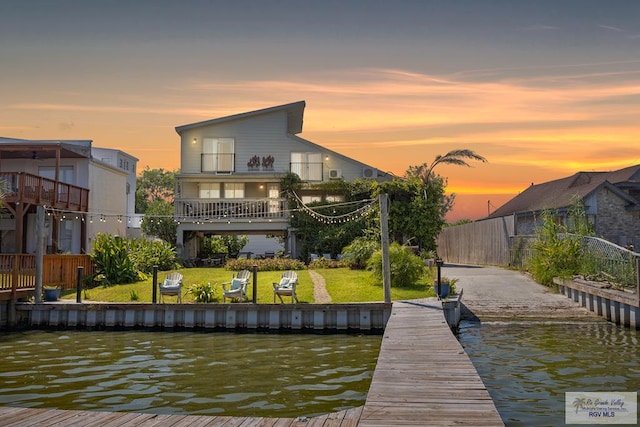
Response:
column 369, row 173
column 335, row 173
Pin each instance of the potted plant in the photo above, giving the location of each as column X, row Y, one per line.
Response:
column 51, row 293
column 446, row 288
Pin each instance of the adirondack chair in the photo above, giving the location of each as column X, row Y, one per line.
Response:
column 172, row 285
column 236, row 289
column 286, row 286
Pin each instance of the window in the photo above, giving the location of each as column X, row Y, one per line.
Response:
column 65, row 173
column 209, row 190
column 311, row 199
column 308, row 166
column 234, row 190
column 334, row 198
column 218, row 155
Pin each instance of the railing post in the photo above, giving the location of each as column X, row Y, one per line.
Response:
column 154, row 292
column 79, row 284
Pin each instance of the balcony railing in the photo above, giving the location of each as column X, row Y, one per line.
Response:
column 27, row 188
column 226, row 209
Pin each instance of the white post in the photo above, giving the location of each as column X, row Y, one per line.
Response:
column 40, row 244
column 384, row 241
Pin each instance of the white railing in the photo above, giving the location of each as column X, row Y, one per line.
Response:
column 224, row 209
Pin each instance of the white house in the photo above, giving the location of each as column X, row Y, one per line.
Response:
column 231, row 169
column 82, row 195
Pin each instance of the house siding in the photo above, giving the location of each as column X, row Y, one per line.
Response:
column 107, row 197
column 261, row 136
column 614, row 222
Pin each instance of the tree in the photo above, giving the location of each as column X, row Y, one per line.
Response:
column 158, row 221
column 416, row 210
column 454, row 157
column 154, row 184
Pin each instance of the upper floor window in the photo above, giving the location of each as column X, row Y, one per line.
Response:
column 308, row 166
column 218, row 155
column 65, row 173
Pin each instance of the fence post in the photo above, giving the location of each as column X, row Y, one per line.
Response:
column 79, row 284
column 154, row 292
column 254, row 292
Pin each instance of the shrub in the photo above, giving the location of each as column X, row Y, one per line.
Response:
column 111, row 256
column 357, row 254
column 406, row 268
column 269, row 264
column 147, row 253
column 328, row 263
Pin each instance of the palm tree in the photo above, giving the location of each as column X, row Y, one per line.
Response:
column 454, row 157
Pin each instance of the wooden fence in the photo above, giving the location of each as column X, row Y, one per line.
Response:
column 18, row 271
column 484, row 242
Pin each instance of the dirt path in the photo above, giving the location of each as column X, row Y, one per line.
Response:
column 493, row 292
column 320, row 294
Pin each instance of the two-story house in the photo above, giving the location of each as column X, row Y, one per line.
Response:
column 81, row 194
column 231, row 170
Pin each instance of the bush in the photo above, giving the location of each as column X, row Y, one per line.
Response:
column 406, row 268
column 328, row 263
column 357, row 254
column 147, row 253
column 111, row 256
column 269, row 264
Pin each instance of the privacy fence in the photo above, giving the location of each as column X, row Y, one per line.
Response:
column 492, row 242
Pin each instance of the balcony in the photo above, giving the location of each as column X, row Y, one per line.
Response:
column 222, row 210
column 20, row 187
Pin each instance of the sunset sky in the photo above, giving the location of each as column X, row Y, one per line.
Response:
column 542, row 89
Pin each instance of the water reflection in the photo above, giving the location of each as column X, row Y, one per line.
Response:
column 187, row 373
column 528, row 366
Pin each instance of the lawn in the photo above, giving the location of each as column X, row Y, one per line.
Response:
column 343, row 285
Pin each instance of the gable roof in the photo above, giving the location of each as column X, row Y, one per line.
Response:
column 295, row 113
column 562, row 192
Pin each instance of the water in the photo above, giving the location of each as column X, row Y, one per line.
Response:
column 527, row 367
column 266, row 375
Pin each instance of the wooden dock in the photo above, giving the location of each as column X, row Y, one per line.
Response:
column 423, row 377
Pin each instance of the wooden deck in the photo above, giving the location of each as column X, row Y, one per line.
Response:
column 423, row 377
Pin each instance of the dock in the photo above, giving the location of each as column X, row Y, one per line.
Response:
column 423, row 377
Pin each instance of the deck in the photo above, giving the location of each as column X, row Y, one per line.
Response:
column 423, row 377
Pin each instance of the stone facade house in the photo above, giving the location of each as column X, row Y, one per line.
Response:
column 611, row 200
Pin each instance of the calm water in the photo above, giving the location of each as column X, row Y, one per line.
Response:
column 527, row 367
column 187, row 373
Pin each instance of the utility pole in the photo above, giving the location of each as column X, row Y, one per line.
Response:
column 384, row 242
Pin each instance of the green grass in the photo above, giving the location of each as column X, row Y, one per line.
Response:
column 344, row 286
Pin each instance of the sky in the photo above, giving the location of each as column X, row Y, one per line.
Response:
column 542, row 89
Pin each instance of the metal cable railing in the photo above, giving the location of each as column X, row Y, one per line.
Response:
column 603, row 259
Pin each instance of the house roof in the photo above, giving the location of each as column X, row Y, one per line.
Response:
column 14, row 148
column 561, row 193
column 295, row 113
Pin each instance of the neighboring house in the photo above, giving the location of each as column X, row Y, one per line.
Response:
column 127, row 163
column 611, row 200
column 231, row 169
column 82, row 195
